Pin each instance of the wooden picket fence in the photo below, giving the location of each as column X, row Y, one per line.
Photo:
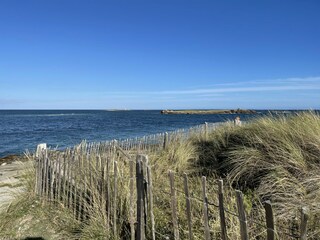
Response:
column 91, row 176
column 156, row 142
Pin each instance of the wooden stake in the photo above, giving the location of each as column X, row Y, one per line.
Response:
column 205, row 208
column 108, row 190
column 64, row 178
column 206, row 131
column 242, row 216
column 59, row 180
column 47, row 177
column 150, row 188
column 140, row 218
column 304, row 221
column 75, row 192
column 69, row 181
column 81, row 199
column 174, row 206
column 269, row 220
column 115, row 186
column 132, row 220
column 165, row 140
column 223, row 225
column 145, row 162
column 188, row 205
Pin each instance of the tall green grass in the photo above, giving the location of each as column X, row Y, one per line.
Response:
column 271, row 158
column 28, row 217
column 277, row 158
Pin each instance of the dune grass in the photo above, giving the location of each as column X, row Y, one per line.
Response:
column 29, row 217
column 277, row 158
column 271, row 158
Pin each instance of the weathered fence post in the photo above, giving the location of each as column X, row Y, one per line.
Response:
column 104, row 196
column 46, row 178
column 38, row 158
column 40, row 173
column 85, row 179
column 303, row 225
column 51, row 178
column 205, row 208
column 150, row 188
column 188, row 205
column 76, row 202
column 40, row 149
column 132, row 221
column 69, row 180
column 269, row 220
column 108, row 191
column 242, row 216
column 59, row 179
column 115, row 186
column 71, row 186
column 165, row 140
column 145, row 162
column 140, row 205
column 81, row 198
column 174, row 206
column 223, row 225
column 206, row 131
column 97, row 175
column 37, row 165
column 102, row 182
column 64, row 186
column 91, row 177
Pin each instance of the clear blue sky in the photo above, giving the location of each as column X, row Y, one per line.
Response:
column 156, row 54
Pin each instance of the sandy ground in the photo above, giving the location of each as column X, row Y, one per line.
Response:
column 10, row 180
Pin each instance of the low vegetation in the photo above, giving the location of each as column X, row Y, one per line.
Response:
column 272, row 158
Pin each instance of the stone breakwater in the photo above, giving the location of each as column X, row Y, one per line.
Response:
column 232, row 111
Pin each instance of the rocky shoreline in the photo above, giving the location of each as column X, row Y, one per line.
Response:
column 229, row 111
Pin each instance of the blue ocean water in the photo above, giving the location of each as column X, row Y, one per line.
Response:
column 24, row 129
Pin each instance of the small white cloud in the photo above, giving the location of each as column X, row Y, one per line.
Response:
column 289, row 84
column 281, row 84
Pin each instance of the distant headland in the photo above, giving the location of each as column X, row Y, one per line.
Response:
column 230, row 111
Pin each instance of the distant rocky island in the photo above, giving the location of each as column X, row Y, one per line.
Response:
column 230, row 111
